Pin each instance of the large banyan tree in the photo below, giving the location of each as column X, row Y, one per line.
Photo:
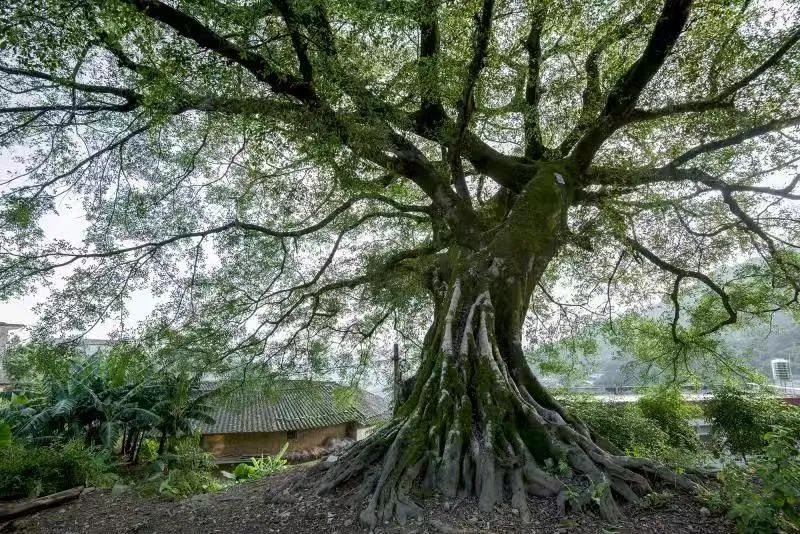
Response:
column 295, row 178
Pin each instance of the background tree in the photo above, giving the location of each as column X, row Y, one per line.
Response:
column 293, row 177
column 180, row 404
column 113, row 398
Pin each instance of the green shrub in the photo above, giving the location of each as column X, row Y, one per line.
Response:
column 5, row 434
column 179, row 483
column 669, row 410
column 741, row 418
column 245, row 472
column 28, row 471
column 187, row 470
column 261, row 467
column 148, row 452
column 623, row 425
column 764, row 496
column 188, row 455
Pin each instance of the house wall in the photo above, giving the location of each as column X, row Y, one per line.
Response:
column 245, row 444
column 316, row 437
column 362, row 432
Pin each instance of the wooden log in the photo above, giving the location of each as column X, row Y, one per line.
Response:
column 18, row 509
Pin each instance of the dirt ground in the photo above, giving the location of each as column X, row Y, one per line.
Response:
column 265, row 506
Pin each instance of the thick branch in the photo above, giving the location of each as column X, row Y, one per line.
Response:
column 121, row 92
column 509, row 171
column 755, row 228
column 205, row 37
column 298, row 41
column 716, row 101
column 625, row 92
column 407, row 160
column 625, row 182
column 771, row 61
column 466, row 105
column 696, row 106
column 593, row 93
column 431, row 109
column 534, row 146
column 735, row 139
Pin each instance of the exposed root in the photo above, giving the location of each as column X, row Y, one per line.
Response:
column 471, row 428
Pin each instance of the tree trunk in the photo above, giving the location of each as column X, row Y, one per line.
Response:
column 125, row 435
column 131, row 442
column 162, row 442
column 397, row 380
column 137, row 445
column 478, row 422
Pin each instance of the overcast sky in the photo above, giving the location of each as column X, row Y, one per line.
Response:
column 68, row 224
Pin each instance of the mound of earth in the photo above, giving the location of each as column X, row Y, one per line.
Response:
column 279, row 504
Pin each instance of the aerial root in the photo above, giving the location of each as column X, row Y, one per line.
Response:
column 519, row 496
column 659, row 471
column 486, row 440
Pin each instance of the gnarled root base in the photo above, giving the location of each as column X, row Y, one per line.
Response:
column 471, row 427
column 481, row 469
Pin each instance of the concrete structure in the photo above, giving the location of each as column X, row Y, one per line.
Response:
column 91, row 346
column 5, row 328
column 315, row 418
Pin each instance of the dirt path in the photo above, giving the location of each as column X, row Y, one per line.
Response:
column 263, row 507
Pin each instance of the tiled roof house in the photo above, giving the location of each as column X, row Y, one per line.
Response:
column 310, row 415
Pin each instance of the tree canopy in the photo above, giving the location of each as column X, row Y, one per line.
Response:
column 295, row 177
column 287, row 172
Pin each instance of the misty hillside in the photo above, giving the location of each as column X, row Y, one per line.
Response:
column 757, row 345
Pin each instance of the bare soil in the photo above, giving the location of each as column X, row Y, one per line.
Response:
column 276, row 505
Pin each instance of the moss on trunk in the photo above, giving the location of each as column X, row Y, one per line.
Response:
column 477, row 421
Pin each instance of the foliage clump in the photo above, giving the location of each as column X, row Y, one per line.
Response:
column 112, row 400
column 623, row 425
column 740, row 418
column 30, row 471
column 656, row 426
column 97, row 419
column 262, row 467
column 763, row 496
column 184, row 471
column 669, row 410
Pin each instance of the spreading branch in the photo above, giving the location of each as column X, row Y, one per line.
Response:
column 466, row 104
column 735, row 139
column 534, row 146
column 257, row 65
column 625, row 92
column 593, row 94
column 682, row 273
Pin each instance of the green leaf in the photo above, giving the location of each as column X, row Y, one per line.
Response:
column 5, row 434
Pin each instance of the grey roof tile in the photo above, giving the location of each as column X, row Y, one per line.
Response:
column 293, row 405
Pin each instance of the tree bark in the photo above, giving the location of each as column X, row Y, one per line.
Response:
column 478, row 422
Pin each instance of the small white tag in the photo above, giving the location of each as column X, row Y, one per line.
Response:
column 559, row 178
